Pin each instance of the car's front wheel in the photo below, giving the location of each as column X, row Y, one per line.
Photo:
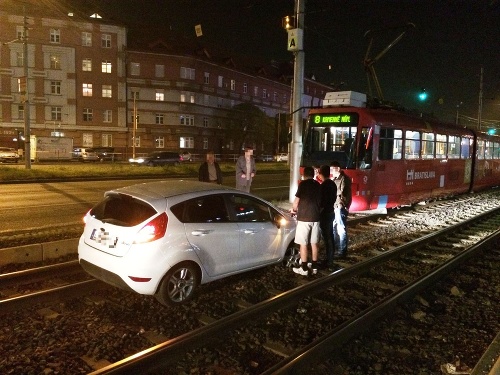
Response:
column 178, row 286
column 292, row 256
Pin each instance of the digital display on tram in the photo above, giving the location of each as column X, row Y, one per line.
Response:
column 325, row 119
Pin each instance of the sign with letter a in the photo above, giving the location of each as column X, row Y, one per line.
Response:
column 295, row 40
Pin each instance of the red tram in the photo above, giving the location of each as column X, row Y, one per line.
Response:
column 395, row 158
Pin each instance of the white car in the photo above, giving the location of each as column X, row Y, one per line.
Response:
column 282, row 157
column 8, row 155
column 165, row 238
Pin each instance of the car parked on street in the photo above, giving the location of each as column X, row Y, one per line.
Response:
column 282, row 157
column 105, row 153
column 8, row 155
column 165, row 238
column 186, row 156
column 84, row 154
column 264, row 158
column 157, row 158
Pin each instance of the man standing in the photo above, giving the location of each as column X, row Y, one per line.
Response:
column 341, row 208
column 245, row 170
column 210, row 170
column 307, row 206
column 327, row 217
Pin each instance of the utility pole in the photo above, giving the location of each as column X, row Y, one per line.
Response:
column 480, row 109
column 296, row 37
column 134, row 129
column 26, row 104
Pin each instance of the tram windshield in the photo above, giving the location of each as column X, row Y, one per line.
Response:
column 335, row 137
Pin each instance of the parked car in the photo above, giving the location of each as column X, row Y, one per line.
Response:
column 84, row 154
column 264, row 158
column 282, row 157
column 8, row 155
column 186, row 156
column 165, row 238
column 158, row 158
column 105, row 153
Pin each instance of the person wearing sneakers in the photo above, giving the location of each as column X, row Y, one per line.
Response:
column 341, row 208
column 307, row 205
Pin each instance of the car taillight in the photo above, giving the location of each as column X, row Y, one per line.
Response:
column 153, row 230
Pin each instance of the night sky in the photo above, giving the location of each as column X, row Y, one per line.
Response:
column 443, row 53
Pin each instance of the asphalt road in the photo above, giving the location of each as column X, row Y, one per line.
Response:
column 36, row 205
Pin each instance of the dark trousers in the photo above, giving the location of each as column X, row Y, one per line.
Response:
column 326, row 225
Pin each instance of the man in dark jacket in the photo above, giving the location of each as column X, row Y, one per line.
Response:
column 210, row 170
column 341, row 208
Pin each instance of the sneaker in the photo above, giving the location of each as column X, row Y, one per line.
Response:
column 301, row 271
column 314, row 268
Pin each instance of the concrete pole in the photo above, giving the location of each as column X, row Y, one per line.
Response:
column 298, row 89
column 26, row 105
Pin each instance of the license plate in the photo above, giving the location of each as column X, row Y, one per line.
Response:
column 103, row 237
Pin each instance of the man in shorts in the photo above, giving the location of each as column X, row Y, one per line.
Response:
column 307, row 205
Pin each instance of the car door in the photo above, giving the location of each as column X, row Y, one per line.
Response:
column 211, row 234
column 260, row 237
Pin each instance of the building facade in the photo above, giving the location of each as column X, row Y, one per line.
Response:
column 86, row 84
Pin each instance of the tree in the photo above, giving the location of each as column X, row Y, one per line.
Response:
column 247, row 125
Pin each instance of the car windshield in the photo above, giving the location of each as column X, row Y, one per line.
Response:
column 122, row 210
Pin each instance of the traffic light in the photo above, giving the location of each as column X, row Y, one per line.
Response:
column 422, row 95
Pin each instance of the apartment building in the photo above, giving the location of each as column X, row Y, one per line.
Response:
column 85, row 83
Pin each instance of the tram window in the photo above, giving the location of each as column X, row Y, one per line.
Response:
column 466, row 148
column 480, row 149
column 496, row 151
column 412, row 144
column 453, row 147
column 391, row 144
column 441, row 146
column 365, row 153
column 488, row 153
column 428, row 145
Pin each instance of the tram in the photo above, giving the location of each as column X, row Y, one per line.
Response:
column 395, row 158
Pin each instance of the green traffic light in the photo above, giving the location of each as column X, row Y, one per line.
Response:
column 423, row 95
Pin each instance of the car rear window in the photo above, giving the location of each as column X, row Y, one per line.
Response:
column 122, row 210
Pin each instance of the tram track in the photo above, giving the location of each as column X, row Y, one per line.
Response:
column 264, row 349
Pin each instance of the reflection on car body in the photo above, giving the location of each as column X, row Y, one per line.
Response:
column 165, row 238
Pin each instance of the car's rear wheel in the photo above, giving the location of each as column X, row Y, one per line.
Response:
column 178, row 286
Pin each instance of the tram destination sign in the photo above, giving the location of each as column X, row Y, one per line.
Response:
column 346, row 118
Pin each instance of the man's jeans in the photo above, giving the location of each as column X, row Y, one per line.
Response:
column 340, row 231
column 326, row 225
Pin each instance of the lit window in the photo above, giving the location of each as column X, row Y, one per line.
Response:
column 106, row 66
column 160, row 95
column 55, row 62
column 233, row 85
column 186, row 142
column 87, row 65
column 87, row 89
column 107, row 91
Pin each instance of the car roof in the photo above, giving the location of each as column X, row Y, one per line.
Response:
column 170, row 188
